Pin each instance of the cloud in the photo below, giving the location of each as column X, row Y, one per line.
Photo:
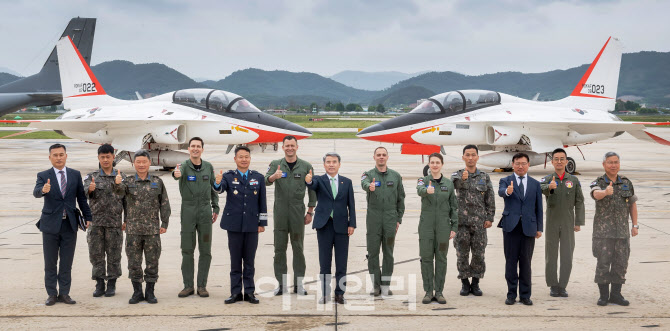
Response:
column 214, row 38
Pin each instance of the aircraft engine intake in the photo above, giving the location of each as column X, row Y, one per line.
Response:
column 502, row 135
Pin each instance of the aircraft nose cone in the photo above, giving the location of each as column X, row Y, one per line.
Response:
column 371, row 129
column 298, row 128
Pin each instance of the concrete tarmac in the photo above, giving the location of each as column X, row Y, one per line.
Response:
column 22, row 292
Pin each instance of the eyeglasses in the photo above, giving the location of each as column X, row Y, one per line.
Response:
column 561, row 159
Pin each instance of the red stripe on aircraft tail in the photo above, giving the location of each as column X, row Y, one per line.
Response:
column 658, row 139
column 577, row 92
column 403, row 137
column 265, row 136
column 98, row 87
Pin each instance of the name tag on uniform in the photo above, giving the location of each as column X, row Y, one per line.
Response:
column 283, row 174
column 444, row 188
column 235, row 182
column 389, row 183
column 154, row 185
column 205, row 177
column 297, row 176
column 625, row 188
column 190, row 178
column 253, row 182
column 378, row 183
column 481, row 182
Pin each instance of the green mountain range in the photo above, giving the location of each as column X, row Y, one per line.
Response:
column 644, row 74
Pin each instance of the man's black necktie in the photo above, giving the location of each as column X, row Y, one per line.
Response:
column 523, row 193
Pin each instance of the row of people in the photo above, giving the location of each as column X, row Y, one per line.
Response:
column 461, row 208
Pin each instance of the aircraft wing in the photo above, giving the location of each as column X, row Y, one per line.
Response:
column 94, row 125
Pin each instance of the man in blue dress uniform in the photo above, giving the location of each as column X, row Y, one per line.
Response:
column 244, row 216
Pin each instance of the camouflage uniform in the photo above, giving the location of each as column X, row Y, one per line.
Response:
column 611, row 245
column 104, row 236
column 145, row 198
column 476, row 205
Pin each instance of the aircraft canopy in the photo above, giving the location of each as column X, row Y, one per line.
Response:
column 456, row 101
column 214, row 100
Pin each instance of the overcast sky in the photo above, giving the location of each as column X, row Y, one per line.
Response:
column 212, row 39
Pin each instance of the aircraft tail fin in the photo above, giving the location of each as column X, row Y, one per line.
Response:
column 597, row 89
column 80, row 86
column 81, row 30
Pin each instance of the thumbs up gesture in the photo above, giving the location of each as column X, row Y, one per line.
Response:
column 47, row 187
column 553, row 183
column 219, row 177
column 177, row 171
column 610, row 189
column 118, row 178
column 510, row 188
column 465, row 175
column 91, row 187
column 430, row 189
column 373, row 185
column 277, row 173
column 308, row 177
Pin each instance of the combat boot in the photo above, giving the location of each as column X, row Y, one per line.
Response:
column 616, row 297
column 474, row 288
column 99, row 287
column 604, row 294
column 149, row 293
column 440, row 298
column 465, row 290
column 111, row 288
column 427, row 298
column 137, row 293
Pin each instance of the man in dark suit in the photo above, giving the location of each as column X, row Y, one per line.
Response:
column 522, row 224
column 335, row 221
column 58, row 222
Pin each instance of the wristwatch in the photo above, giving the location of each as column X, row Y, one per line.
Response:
column 636, row 226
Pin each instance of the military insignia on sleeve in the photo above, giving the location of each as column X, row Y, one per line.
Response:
column 593, row 183
column 455, row 173
column 364, row 176
column 85, row 178
column 268, row 168
column 420, row 182
column 568, row 184
column 542, row 180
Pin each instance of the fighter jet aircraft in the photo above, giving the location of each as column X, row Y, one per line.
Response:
column 162, row 124
column 43, row 88
column 506, row 124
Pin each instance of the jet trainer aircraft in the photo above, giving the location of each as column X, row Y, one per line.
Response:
column 506, row 124
column 162, row 124
column 43, row 88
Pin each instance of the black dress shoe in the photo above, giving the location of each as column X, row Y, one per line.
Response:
column 64, row 298
column 299, row 290
column 249, row 297
column 51, row 300
column 279, row 290
column 562, row 292
column 234, row 298
column 510, row 301
column 339, row 298
column 526, row 301
column 554, row 291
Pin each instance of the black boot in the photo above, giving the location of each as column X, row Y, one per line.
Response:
column 474, row 288
column 465, row 290
column 616, row 297
column 111, row 288
column 137, row 293
column 604, row 294
column 99, row 287
column 150, row 297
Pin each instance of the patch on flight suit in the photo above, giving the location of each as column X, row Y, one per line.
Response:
column 205, row 177
column 420, row 181
column 568, row 184
column 389, row 183
column 444, row 188
column 542, row 180
column 206, row 238
column 190, row 178
column 443, row 247
column 390, row 240
column 378, row 183
column 364, row 176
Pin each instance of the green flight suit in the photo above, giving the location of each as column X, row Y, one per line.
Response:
column 439, row 216
column 289, row 216
column 565, row 210
column 198, row 202
column 386, row 206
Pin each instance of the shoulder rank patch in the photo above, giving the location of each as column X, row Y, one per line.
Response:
column 364, row 176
